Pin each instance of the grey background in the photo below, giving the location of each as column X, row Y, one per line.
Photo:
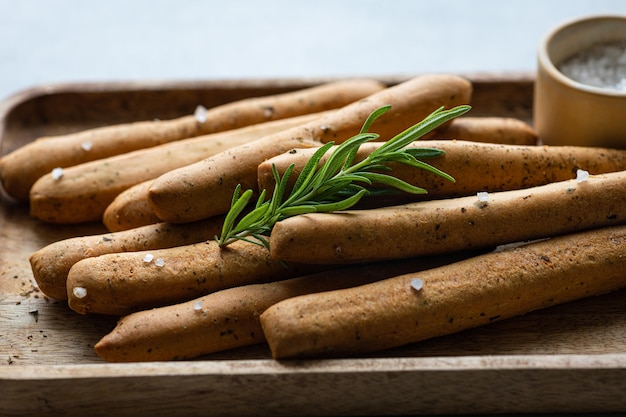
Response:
column 58, row 41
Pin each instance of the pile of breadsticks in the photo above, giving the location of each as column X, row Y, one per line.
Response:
column 392, row 273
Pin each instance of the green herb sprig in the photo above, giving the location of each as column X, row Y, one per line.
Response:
column 337, row 184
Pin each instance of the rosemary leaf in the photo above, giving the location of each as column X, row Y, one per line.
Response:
column 373, row 116
column 423, row 152
column 394, row 182
column 309, row 170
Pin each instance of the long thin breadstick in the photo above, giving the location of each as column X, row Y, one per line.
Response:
column 505, row 130
column 229, row 318
column 120, row 283
column 84, row 191
column 51, row 264
column 20, row 169
column 205, row 189
column 475, row 166
column 130, row 209
column 441, row 226
column 474, row 292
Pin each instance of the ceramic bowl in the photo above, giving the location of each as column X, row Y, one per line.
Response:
column 570, row 111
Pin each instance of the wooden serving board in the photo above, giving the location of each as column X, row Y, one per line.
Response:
column 569, row 358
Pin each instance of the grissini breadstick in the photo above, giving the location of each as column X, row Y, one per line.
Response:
column 475, row 166
column 448, row 299
column 84, row 191
column 440, row 226
column 229, row 318
column 205, row 189
column 20, row 169
column 505, row 130
column 51, row 264
column 120, row 283
column 130, row 209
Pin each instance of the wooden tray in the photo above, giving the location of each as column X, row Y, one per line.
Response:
column 570, row 358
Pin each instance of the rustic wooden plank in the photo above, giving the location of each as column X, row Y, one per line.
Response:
column 409, row 386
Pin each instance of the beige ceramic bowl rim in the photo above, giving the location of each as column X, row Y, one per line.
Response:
column 558, row 75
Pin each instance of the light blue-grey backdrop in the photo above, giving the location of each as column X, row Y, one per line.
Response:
column 52, row 41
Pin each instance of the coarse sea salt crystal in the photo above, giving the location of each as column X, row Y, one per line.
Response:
column 513, row 245
column 482, row 196
column 200, row 113
column 148, row 258
column 197, row 305
column 57, row 173
column 417, row 284
column 582, row 175
column 602, row 65
column 159, row 262
column 86, row 146
column 79, row 292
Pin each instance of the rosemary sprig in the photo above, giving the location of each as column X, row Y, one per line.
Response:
column 338, row 183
